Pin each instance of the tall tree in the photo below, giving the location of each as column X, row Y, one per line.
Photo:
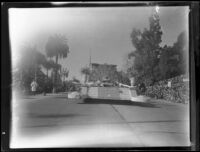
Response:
column 49, row 64
column 174, row 59
column 147, row 50
column 64, row 73
column 30, row 57
column 57, row 47
column 181, row 50
column 166, row 64
column 28, row 66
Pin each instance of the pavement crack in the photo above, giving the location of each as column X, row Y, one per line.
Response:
column 128, row 124
column 121, row 116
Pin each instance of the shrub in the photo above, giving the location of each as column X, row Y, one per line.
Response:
column 178, row 92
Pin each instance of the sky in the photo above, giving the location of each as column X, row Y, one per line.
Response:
column 103, row 32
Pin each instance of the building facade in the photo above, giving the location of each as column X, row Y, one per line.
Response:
column 100, row 72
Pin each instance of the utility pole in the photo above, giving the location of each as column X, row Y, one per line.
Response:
column 36, row 72
column 90, row 66
column 90, row 61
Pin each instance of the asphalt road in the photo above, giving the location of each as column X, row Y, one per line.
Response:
column 55, row 121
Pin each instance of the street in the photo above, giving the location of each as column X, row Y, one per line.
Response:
column 55, row 121
column 98, row 76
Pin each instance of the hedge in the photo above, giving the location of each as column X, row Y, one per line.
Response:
column 178, row 92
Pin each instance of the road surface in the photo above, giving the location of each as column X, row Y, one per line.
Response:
column 55, row 121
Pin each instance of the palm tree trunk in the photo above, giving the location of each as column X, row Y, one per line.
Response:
column 47, row 73
column 55, row 78
column 35, row 72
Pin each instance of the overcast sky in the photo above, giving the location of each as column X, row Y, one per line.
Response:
column 103, row 31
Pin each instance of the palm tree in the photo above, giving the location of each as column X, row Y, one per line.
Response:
column 56, row 74
column 64, row 73
column 57, row 47
column 86, row 72
column 49, row 64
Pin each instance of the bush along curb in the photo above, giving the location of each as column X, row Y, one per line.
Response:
column 177, row 93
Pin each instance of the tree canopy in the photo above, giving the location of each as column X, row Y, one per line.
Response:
column 147, row 48
column 152, row 62
column 29, row 67
column 57, row 47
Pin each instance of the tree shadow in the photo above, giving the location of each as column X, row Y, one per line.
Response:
column 52, row 115
column 75, row 100
column 37, row 125
column 28, row 97
column 65, row 97
column 118, row 102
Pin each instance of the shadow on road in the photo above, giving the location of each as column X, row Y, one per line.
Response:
column 118, row 102
column 27, row 97
column 52, row 115
column 36, row 125
column 65, row 97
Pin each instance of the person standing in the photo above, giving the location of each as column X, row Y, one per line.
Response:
column 34, row 86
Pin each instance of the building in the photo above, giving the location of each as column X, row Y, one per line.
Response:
column 102, row 71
